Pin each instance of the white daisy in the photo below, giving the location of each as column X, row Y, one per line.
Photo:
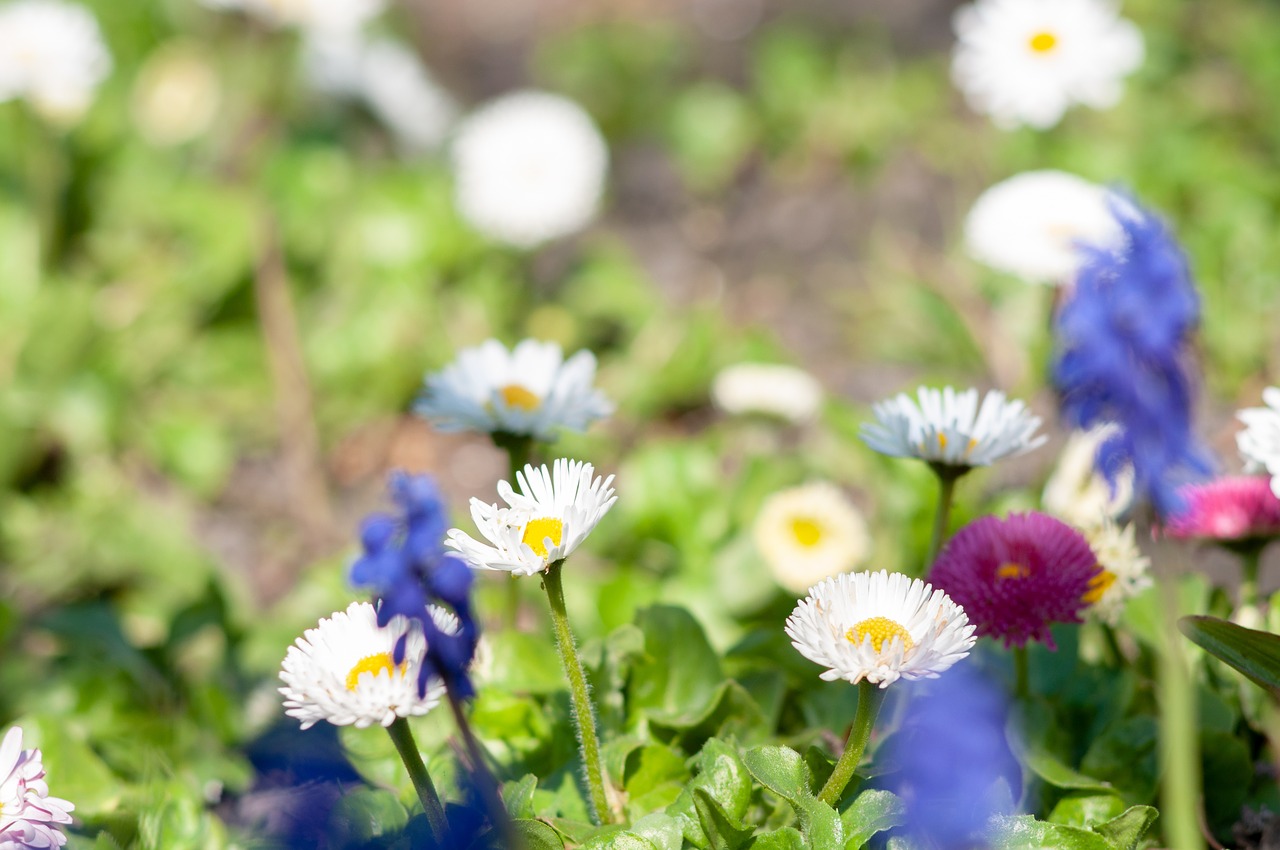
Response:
column 1076, row 492
column 1259, row 442
column 52, row 54
column 28, row 815
column 949, row 429
column 1027, row 61
column 880, row 627
column 529, row 167
column 343, row 670
column 176, row 95
column 530, row 390
column 773, row 389
column 329, row 16
column 1033, row 224
column 810, row 532
column 1126, row 572
column 545, row 522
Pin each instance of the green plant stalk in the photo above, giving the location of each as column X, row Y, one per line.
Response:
column 1249, row 560
column 519, row 449
column 584, row 717
column 870, row 698
column 1179, row 745
column 947, row 478
column 402, row 737
column 1021, row 673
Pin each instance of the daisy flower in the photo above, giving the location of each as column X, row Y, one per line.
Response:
column 949, row 429
column 1126, row 572
column 879, row 627
column 808, row 533
column 1033, row 224
column 553, row 512
column 343, row 671
column 52, row 54
column 529, row 167
column 1016, row 576
column 1027, row 61
column 1234, row 508
column 773, row 389
column 1076, row 492
column 1259, row 442
column 28, row 815
column 176, row 95
column 531, row 390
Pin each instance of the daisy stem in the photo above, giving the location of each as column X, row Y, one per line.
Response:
column 947, row 478
column 519, row 449
column 1249, row 560
column 870, row 698
column 582, row 713
column 402, row 737
column 1021, row 677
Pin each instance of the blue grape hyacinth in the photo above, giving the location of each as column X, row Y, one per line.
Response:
column 404, row 561
column 1123, row 356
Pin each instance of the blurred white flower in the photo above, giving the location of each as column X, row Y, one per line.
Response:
column 774, row 389
column 529, row 167
column 1027, row 61
column 530, row 390
column 333, row 16
column 344, row 670
column 52, row 54
column 809, row 533
column 1033, row 224
column 948, row 428
column 1259, row 442
column 553, row 512
column 176, row 95
column 28, row 815
column 1126, row 572
column 880, row 627
column 1076, row 492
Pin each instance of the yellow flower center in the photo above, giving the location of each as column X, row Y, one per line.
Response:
column 1013, row 570
column 537, row 532
column 882, row 630
column 517, row 396
column 942, row 442
column 806, row 531
column 374, row 664
column 1098, row 587
column 1043, row 42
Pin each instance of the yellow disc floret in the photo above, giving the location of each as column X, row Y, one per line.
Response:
column 537, row 532
column 374, row 664
column 1013, row 570
column 1098, row 587
column 517, row 396
column 808, row 532
column 881, row 630
column 1043, row 42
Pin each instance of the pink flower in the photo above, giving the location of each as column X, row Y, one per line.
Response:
column 27, row 812
column 1016, row 576
column 1230, row 508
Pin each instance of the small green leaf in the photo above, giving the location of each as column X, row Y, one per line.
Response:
column 679, row 676
column 536, row 835
column 723, row 776
column 723, row 831
column 617, row 838
column 1125, row 831
column 786, row 838
column 1024, row 832
column 1086, row 809
column 871, row 812
column 782, row 771
column 1255, row 654
column 663, row 831
column 517, row 795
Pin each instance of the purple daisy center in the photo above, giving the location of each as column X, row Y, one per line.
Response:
column 1014, row 577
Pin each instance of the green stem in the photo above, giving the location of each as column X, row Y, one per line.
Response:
column 870, row 698
column 947, row 478
column 1179, row 752
column 402, row 737
column 1249, row 560
column 519, row 449
column 583, row 715
column 1021, row 676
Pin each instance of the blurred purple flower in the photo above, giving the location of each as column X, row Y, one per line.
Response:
column 406, row 565
column 1233, row 508
column 1123, row 356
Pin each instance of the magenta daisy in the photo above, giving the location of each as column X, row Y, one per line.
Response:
column 1233, row 508
column 1014, row 577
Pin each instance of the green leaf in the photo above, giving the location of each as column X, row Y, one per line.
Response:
column 1086, row 808
column 1051, row 769
column 519, row 663
column 1125, row 756
column 662, row 830
column 782, row 771
column 1024, row 832
column 617, row 838
column 651, row 766
column 820, row 824
column 517, row 796
column 1125, row 831
column 723, row 831
column 366, row 813
column 678, row 678
column 1255, row 654
column 871, row 812
column 786, row 838
column 536, row 835
column 721, row 773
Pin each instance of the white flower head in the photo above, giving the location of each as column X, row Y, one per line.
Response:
column 1027, row 61
column 810, row 532
column 1126, row 572
column 1076, row 492
column 52, row 54
column 880, row 627
column 544, row 522
column 1033, row 225
column 326, row 16
column 28, row 815
column 343, row 670
column 948, row 428
column 176, row 95
column 529, row 167
column 529, row 390
column 1259, row 442
column 773, row 389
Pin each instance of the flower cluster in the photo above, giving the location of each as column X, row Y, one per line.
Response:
column 28, row 815
column 1122, row 357
column 52, row 54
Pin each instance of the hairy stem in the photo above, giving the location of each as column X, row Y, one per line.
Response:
column 402, row 737
column 870, row 698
